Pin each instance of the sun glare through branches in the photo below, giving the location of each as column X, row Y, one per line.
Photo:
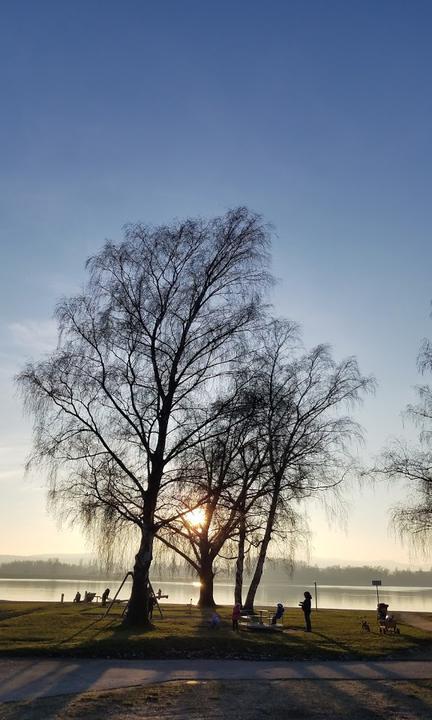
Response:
column 196, row 517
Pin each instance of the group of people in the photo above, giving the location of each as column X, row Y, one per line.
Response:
column 89, row 596
column 215, row 620
column 306, row 606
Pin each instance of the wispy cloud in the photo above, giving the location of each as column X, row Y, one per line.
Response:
column 34, row 336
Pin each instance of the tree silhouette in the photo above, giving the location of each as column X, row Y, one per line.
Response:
column 159, row 322
column 413, row 464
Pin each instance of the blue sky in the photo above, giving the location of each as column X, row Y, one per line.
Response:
column 317, row 114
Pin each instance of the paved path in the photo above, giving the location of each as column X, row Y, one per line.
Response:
column 418, row 620
column 27, row 679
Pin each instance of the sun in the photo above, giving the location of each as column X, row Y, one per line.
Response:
column 196, row 517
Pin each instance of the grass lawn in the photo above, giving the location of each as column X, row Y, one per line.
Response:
column 278, row 700
column 80, row 630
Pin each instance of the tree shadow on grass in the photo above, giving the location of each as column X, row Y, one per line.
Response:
column 100, row 629
column 198, row 639
column 12, row 614
column 420, row 648
column 356, row 699
column 333, row 643
column 298, row 699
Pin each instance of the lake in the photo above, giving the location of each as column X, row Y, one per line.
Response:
column 329, row 596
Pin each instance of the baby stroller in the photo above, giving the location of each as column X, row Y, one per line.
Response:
column 387, row 623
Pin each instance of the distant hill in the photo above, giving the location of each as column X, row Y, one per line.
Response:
column 328, row 561
column 277, row 571
column 320, row 562
column 69, row 558
column 53, row 569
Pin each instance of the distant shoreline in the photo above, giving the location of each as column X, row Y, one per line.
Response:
column 227, row 582
column 276, row 572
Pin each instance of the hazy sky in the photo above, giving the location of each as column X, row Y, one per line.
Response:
column 316, row 114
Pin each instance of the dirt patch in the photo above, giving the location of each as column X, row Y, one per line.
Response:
column 298, row 700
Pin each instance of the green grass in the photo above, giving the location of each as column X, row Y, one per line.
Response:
column 80, row 630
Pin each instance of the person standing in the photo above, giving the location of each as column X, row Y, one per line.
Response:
column 152, row 603
column 306, row 606
column 278, row 614
column 236, row 614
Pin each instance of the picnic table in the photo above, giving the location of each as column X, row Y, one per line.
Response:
column 260, row 621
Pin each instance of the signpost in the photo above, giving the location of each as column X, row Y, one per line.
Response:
column 377, row 584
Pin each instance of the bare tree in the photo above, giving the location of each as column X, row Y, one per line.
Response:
column 411, row 464
column 218, row 485
column 300, row 396
column 159, row 321
column 251, row 505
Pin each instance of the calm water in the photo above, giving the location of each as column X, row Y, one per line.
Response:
column 329, row 596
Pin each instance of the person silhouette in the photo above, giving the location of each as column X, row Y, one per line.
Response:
column 306, row 606
column 278, row 614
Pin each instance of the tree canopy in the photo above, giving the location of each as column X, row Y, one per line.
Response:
column 161, row 319
column 172, row 391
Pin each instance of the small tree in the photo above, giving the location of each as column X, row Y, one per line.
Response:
column 161, row 317
column 300, row 397
column 414, row 465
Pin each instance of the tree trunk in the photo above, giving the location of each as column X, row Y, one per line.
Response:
column 138, row 612
column 240, row 562
column 206, row 599
column 139, row 603
column 256, row 579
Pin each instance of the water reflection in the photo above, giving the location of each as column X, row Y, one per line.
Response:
column 329, row 596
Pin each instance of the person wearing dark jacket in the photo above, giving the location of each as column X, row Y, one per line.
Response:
column 278, row 614
column 306, row 606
